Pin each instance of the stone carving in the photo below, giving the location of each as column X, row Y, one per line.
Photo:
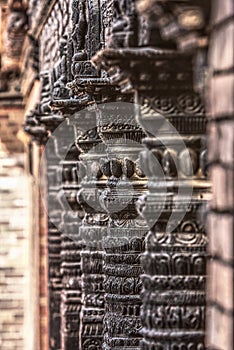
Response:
column 92, row 230
column 122, row 284
column 163, row 80
column 124, row 30
column 16, row 29
column 124, row 241
column 40, row 122
column 54, row 245
column 173, row 313
column 180, row 253
column 70, row 251
column 52, row 34
column 15, row 21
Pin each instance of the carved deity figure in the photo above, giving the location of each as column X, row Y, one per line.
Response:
column 80, row 29
column 123, row 29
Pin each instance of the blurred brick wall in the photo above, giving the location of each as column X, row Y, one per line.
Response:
column 14, row 254
column 221, row 165
column 43, row 253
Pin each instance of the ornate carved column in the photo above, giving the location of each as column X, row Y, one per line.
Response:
column 172, row 115
column 174, row 263
column 54, row 246
column 124, row 240
column 86, row 88
column 68, row 224
column 92, row 231
column 173, row 313
column 40, row 124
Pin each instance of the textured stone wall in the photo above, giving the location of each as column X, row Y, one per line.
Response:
column 221, row 161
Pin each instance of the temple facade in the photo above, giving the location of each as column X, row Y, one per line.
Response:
column 128, row 119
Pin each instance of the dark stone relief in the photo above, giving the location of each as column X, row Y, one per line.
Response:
column 128, row 269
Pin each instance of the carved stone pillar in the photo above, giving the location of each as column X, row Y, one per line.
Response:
column 172, row 115
column 86, row 88
column 92, row 231
column 124, row 240
column 54, row 246
column 70, row 251
column 174, row 279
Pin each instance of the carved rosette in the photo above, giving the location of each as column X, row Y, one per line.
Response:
column 124, row 240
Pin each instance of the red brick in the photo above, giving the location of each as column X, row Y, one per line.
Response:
column 226, row 142
column 222, row 48
column 219, row 330
column 223, row 194
column 220, row 284
column 221, row 96
column 213, row 143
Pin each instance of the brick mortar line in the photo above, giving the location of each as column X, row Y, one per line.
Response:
column 221, row 308
column 222, row 164
column 222, row 261
column 221, row 118
column 219, row 25
column 226, row 211
column 223, row 72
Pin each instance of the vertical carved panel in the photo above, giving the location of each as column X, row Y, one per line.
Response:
column 92, row 231
column 86, row 86
column 70, row 251
column 54, row 246
column 124, row 241
column 173, row 313
column 52, row 34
